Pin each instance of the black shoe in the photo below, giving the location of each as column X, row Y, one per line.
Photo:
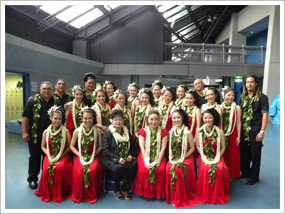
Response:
column 251, row 182
column 33, row 185
column 127, row 195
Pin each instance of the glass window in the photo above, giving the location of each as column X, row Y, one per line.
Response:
column 73, row 12
column 162, row 8
column 177, row 16
column 52, row 8
column 86, row 18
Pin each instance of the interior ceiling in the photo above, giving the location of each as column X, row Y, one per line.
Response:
column 187, row 23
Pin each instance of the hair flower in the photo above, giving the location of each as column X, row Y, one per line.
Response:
column 130, row 85
column 223, row 90
column 75, row 87
column 141, row 91
column 82, row 110
column 116, row 93
column 53, row 108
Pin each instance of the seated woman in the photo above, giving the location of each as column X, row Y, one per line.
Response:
column 57, row 167
column 150, row 178
column 213, row 175
column 117, row 155
column 180, row 170
column 87, row 171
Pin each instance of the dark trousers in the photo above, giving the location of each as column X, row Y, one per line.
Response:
column 121, row 172
column 35, row 158
column 250, row 156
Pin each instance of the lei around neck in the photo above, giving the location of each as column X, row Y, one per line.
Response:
column 246, row 105
column 139, row 117
column 75, row 113
column 127, row 116
column 191, row 112
column 122, row 140
column 165, row 109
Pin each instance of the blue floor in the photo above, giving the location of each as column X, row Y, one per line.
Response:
column 263, row 195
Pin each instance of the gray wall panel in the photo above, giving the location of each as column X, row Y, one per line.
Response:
column 128, row 69
column 127, row 43
column 144, row 69
column 109, row 48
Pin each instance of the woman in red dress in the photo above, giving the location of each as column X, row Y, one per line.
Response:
column 192, row 107
column 87, row 171
column 57, row 168
column 110, row 88
column 73, row 119
column 180, row 170
column 102, row 109
column 231, row 123
column 150, row 178
column 213, row 175
column 166, row 107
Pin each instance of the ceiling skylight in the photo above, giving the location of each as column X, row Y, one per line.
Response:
column 86, row 18
column 73, row 12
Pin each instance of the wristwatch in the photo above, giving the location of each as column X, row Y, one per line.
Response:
column 262, row 132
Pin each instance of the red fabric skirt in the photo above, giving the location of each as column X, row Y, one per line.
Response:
column 182, row 194
column 62, row 181
column 79, row 193
column 218, row 193
column 141, row 187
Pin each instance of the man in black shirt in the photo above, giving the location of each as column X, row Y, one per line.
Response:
column 255, row 108
column 35, row 121
column 199, row 87
column 60, row 93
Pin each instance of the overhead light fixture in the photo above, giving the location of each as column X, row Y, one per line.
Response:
column 210, row 19
column 251, row 32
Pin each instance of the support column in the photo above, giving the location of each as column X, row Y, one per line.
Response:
column 235, row 38
column 271, row 82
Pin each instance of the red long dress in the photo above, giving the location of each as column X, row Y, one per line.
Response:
column 62, row 180
column 79, row 193
column 194, row 128
column 112, row 104
column 169, row 121
column 182, row 195
column 218, row 193
column 232, row 156
column 70, row 124
column 140, row 186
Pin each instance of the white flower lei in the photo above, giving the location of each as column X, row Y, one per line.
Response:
column 118, row 137
column 141, row 109
column 183, row 144
column 62, row 145
column 74, row 113
column 147, row 147
column 80, row 131
column 126, row 110
column 208, row 106
column 167, row 109
column 233, row 110
column 132, row 101
column 193, row 116
column 179, row 102
column 97, row 108
column 160, row 99
column 204, row 158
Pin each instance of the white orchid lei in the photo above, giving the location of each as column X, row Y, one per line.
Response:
column 177, row 139
column 141, row 111
column 164, row 112
column 99, row 109
column 57, row 139
column 85, row 139
column 152, row 150
column 122, row 140
column 76, row 109
column 213, row 136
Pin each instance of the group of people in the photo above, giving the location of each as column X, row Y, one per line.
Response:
column 185, row 150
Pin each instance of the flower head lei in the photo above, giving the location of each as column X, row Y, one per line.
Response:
column 189, row 90
column 131, row 85
column 116, row 93
column 224, row 90
column 163, row 89
column 155, row 81
column 181, row 85
column 76, row 87
column 174, row 109
column 82, row 110
column 106, row 83
column 142, row 90
column 204, row 108
column 204, row 91
column 53, row 108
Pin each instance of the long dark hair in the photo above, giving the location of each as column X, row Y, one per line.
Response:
column 126, row 98
column 110, row 83
column 258, row 90
column 150, row 95
column 152, row 112
column 184, row 116
column 228, row 90
column 197, row 101
column 216, row 115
